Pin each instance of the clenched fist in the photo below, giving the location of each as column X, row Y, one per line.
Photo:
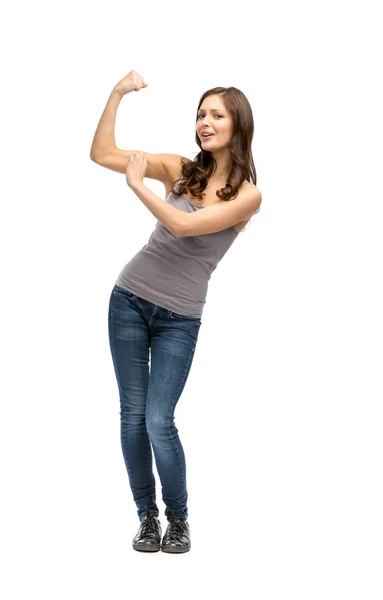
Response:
column 132, row 82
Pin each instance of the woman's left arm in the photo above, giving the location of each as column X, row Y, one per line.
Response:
column 169, row 216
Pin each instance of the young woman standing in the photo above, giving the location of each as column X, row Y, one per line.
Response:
column 156, row 305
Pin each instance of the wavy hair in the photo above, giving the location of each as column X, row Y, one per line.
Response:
column 197, row 172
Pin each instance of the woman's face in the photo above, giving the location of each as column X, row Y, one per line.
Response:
column 214, row 118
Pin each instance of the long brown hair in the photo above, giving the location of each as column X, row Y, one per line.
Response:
column 197, row 172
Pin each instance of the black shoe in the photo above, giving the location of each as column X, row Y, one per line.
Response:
column 177, row 536
column 148, row 537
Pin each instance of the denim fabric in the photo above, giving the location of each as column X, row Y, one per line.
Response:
column 152, row 350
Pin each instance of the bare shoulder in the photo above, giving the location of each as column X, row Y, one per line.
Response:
column 252, row 192
column 173, row 166
column 247, row 186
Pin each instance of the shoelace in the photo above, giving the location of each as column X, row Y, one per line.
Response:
column 177, row 527
column 149, row 526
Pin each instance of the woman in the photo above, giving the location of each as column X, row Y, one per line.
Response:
column 157, row 302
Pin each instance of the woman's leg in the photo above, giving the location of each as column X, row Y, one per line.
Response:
column 129, row 337
column 173, row 343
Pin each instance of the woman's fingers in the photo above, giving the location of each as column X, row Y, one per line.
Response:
column 132, row 82
column 138, row 82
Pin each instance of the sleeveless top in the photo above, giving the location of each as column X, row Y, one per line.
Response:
column 173, row 272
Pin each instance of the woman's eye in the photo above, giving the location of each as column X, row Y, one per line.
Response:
column 215, row 115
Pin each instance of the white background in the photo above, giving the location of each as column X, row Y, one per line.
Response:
column 280, row 418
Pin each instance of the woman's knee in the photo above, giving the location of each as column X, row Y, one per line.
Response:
column 158, row 425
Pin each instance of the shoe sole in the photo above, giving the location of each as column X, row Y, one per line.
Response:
column 175, row 549
column 147, row 547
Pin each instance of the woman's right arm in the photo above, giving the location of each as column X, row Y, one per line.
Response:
column 103, row 141
column 163, row 167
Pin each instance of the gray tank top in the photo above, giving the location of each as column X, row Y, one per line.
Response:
column 174, row 272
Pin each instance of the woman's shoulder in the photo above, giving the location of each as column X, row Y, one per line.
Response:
column 248, row 183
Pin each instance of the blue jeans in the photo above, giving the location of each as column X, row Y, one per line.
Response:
column 141, row 332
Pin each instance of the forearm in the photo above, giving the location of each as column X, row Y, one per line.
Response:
column 103, row 141
column 169, row 216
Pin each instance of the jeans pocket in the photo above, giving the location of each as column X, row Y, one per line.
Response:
column 123, row 292
column 176, row 316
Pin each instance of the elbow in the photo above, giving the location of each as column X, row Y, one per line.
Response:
column 94, row 158
column 98, row 156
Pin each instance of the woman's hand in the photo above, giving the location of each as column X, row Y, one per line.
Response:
column 136, row 168
column 132, row 82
